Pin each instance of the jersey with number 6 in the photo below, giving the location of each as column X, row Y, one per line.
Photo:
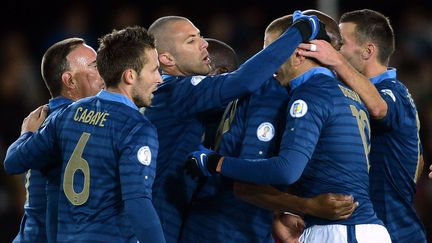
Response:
column 108, row 149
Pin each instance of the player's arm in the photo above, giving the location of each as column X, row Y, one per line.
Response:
column 255, row 71
column 31, row 146
column 329, row 206
column 144, row 220
column 327, row 55
column 137, row 169
column 285, row 168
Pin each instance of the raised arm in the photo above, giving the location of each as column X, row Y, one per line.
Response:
column 327, row 55
column 256, row 70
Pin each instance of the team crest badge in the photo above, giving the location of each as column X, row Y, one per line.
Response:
column 298, row 108
column 389, row 93
column 144, row 155
column 265, row 131
column 197, row 79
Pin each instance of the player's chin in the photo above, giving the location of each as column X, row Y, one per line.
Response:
column 204, row 70
column 148, row 100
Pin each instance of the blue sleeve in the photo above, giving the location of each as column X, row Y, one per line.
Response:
column 258, row 69
column 31, row 151
column 401, row 108
column 144, row 220
column 391, row 119
column 137, row 162
column 11, row 163
column 282, row 170
column 306, row 115
column 200, row 93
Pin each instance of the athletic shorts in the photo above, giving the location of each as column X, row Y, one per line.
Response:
column 336, row 233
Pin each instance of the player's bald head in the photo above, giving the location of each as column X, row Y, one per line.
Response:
column 162, row 30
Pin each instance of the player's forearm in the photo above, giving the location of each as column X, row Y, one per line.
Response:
column 144, row 220
column 282, row 170
column 375, row 104
column 270, row 198
column 258, row 69
column 13, row 163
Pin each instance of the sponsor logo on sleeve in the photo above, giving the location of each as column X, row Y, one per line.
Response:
column 389, row 93
column 298, row 108
column 144, row 155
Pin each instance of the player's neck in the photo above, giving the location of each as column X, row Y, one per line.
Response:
column 374, row 69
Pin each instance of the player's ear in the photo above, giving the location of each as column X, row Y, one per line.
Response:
column 166, row 59
column 129, row 75
column 297, row 59
column 67, row 80
column 368, row 51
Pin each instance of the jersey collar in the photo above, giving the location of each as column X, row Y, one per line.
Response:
column 106, row 95
column 389, row 74
column 311, row 72
column 58, row 101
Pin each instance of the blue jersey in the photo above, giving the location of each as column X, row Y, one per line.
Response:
column 179, row 112
column 217, row 216
column 35, row 225
column 326, row 141
column 394, row 159
column 109, row 155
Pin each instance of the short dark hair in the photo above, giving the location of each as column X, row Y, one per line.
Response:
column 332, row 29
column 161, row 30
column 54, row 63
column 375, row 27
column 120, row 50
column 222, row 55
column 280, row 24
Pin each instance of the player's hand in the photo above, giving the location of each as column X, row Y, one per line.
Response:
column 331, row 206
column 323, row 52
column 34, row 120
column 309, row 26
column 202, row 162
column 287, row 228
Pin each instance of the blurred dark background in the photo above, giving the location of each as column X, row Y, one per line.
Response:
column 28, row 28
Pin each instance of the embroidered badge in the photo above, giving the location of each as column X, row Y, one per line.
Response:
column 298, row 108
column 144, row 155
column 265, row 131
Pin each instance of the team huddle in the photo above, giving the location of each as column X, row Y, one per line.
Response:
column 161, row 136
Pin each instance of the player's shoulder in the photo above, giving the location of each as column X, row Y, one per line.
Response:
column 392, row 84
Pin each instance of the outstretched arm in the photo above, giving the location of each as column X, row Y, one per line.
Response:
column 327, row 55
column 285, row 168
column 256, row 70
column 329, row 206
